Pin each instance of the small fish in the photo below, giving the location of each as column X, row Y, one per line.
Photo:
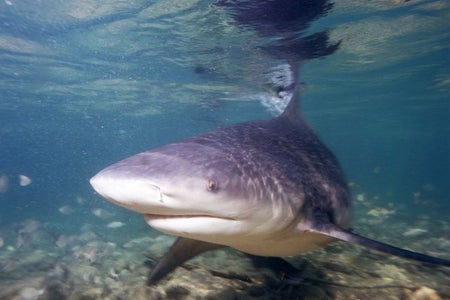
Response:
column 62, row 241
column 415, row 232
column 360, row 197
column 20, row 241
column 24, row 180
column 4, row 183
column 380, row 212
column 429, row 187
column 66, row 210
column 115, row 224
column 2, row 242
column 9, row 266
column 60, row 271
column 89, row 253
column 376, row 170
column 80, row 200
column 102, row 213
column 29, row 226
column 353, row 185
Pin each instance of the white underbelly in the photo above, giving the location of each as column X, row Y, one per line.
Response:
column 288, row 246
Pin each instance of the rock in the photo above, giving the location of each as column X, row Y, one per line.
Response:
column 315, row 293
column 30, row 293
column 226, row 294
column 256, row 291
column 423, row 293
column 176, row 292
column 56, row 290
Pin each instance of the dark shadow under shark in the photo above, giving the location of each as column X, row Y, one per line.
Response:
column 267, row 188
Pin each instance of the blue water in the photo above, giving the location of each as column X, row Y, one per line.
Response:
column 84, row 84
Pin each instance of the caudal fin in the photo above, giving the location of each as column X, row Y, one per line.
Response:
column 341, row 234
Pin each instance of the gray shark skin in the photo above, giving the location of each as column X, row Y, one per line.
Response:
column 267, row 188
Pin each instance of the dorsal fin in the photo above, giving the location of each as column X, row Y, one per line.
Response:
column 282, row 80
column 292, row 110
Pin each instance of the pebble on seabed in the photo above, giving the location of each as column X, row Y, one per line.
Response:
column 423, row 293
column 30, row 293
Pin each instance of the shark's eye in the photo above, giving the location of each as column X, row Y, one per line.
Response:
column 212, row 185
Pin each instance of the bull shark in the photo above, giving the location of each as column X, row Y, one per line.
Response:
column 266, row 188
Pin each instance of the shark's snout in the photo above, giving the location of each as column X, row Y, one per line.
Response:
column 128, row 191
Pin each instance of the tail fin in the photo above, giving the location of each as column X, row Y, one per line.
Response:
column 341, row 234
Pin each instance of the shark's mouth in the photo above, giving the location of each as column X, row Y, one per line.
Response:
column 201, row 226
column 182, row 216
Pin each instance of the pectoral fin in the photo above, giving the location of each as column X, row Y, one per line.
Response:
column 343, row 235
column 182, row 250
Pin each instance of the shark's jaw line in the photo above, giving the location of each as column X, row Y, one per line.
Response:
column 187, row 216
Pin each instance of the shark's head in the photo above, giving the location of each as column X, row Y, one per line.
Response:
column 191, row 190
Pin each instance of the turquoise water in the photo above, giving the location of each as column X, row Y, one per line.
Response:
column 84, row 84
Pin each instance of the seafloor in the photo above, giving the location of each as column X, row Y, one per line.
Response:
column 109, row 260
